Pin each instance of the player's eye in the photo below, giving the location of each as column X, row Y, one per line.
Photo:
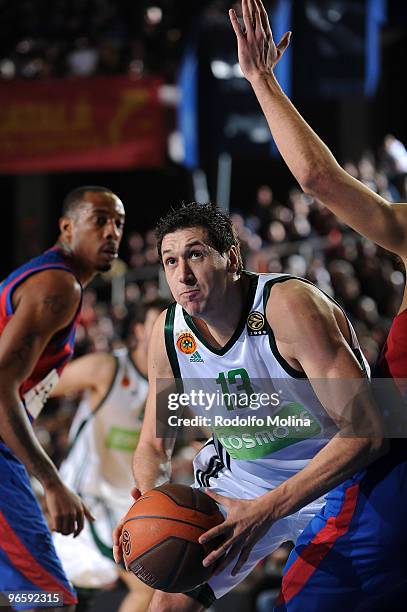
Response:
column 195, row 254
column 119, row 224
column 101, row 220
column 170, row 261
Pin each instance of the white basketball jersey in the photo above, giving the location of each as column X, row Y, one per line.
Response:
column 99, row 462
column 287, row 425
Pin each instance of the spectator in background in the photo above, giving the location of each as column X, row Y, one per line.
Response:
column 262, row 209
column 83, row 59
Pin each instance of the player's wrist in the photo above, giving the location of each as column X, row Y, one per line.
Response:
column 51, row 480
column 276, row 503
column 263, row 77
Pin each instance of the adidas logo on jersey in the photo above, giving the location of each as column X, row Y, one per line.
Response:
column 195, row 358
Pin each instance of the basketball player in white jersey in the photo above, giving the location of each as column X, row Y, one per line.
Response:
column 238, row 331
column 103, row 436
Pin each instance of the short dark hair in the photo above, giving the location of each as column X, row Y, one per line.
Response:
column 74, row 199
column 221, row 232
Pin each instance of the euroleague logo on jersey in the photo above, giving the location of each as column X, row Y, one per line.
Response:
column 186, row 343
column 256, row 323
column 126, row 542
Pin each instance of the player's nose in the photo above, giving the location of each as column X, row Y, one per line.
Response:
column 185, row 274
column 111, row 230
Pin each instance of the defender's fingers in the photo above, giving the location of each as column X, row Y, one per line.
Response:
column 236, row 25
column 80, row 521
column 284, row 42
column 257, row 20
column 88, row 514
column 264, row 19
column 247, row 17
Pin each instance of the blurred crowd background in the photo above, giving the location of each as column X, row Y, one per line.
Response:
column 360, row 114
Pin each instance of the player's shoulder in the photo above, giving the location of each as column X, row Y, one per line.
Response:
column 292, row 293
column 52, row 281
column 54, row 292
column 294, row 306
column 160, row 322
column 157, row 341
column 158, row 358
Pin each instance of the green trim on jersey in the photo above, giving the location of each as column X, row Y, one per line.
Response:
column 253, row 279
column 133, row 363
column 272, row 340
column 105, row 550
column 98, row 407
column 169, row 345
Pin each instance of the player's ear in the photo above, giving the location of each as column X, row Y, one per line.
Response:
column 65, row 227
column 233, row 260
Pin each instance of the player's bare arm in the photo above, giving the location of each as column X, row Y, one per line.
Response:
column 152, row 457
column 93, row 373
column 43, row 305
column 308, row 158
column 311, row 336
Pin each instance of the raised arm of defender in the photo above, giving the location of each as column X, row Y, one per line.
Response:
column 308, row 158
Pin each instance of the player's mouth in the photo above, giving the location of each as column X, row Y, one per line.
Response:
column 110, row 251
column 191, row 294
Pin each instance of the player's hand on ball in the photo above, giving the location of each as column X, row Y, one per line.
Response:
column 117, row 532
column 247, row 521
column 66, row 510
column 258, row 53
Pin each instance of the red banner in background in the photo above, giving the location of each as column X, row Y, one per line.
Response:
column 81, row 124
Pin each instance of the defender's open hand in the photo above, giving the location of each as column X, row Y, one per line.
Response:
column 258, row 53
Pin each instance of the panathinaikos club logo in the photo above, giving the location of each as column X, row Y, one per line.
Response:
column 186, row 343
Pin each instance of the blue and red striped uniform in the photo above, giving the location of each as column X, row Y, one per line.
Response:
column 353, row 554
column 28, row 561
column 393, row 359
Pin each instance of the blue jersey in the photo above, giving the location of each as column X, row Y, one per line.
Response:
column 28, row 560
column 61, row 346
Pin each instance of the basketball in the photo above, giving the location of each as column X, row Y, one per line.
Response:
column 160, row 537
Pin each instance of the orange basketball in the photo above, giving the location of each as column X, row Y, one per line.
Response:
column 160, row 537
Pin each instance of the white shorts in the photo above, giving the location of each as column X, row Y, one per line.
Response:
column 87, row 559
column 211, row 474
